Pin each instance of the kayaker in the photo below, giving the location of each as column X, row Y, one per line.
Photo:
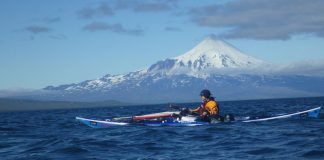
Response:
column 209, row 109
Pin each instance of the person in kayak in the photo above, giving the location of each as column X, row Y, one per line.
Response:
column 208, row 110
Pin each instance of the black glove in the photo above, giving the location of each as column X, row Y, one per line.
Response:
column 185, row 111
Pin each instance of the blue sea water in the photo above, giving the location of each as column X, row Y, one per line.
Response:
column 56, row 134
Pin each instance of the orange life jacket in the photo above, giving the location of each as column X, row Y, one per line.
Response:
column 210, row 106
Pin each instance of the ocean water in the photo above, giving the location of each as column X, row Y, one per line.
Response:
column 56, row 134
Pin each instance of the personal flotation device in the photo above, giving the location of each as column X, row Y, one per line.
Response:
column 210, row 106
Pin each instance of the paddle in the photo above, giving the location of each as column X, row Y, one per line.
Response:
column 123, row 119
column 175, row 107
column 183, row 110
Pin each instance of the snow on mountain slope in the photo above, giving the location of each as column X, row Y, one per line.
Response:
column 217, row 54
column 209, row 56
column 104, row 83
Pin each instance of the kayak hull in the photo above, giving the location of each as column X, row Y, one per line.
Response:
column 107, row 124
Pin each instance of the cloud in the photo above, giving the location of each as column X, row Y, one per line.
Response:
column 125, row 4
column 313, row 68
column 138, row 6
column 90, row 12
column 22, row 92
column 59, row 37
column 146, row 6
column 51, row 19
column 152, row 7
column 117, row 28
column 34, row 29
column 308, row 68
column 263, row 19
column 16, row 92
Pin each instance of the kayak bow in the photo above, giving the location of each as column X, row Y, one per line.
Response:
column 312, row 113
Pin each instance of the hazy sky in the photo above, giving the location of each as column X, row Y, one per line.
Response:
column 52, row 42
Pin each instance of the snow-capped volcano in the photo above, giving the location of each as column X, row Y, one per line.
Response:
column 204, row 60
column 214, row 53
column 209, row 56
column 212, row 64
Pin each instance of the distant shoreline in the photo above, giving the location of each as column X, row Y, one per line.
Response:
column 13, row 105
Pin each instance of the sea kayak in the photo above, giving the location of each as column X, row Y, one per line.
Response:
column 168, row 119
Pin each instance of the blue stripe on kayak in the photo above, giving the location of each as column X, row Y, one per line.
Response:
column 176, row 123
column 314, row 114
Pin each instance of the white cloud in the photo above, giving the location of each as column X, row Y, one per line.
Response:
column 263, row 19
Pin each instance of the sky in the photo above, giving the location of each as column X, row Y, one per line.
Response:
column 46, row 42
